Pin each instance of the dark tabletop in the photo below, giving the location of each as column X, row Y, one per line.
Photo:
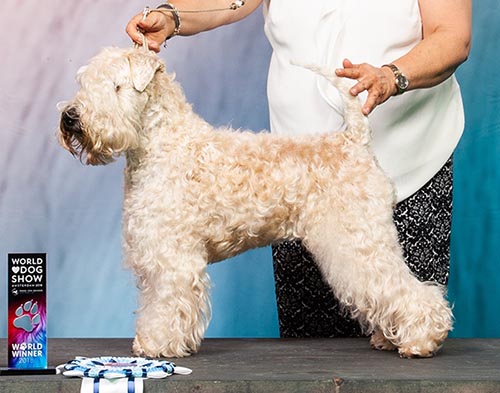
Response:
column 289, row 365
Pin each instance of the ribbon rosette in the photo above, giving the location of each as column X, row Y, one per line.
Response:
column 108, row 374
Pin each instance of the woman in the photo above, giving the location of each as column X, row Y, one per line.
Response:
column 387, row 48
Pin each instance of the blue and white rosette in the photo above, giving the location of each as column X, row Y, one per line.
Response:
column 109, row 374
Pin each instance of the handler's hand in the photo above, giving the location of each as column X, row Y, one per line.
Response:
column 155, row 28
column 379, row 82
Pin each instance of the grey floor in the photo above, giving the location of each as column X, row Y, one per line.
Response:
column 290, row 365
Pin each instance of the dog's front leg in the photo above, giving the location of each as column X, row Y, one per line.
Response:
column 174, row 305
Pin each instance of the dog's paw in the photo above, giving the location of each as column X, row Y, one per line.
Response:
column 380, row 343
column 137, row 348
column 27, row 316
column 147, row 348
column 425, row 350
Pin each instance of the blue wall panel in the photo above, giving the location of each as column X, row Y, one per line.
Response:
column 474, row 280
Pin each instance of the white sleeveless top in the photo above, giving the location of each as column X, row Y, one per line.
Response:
column 413, row 134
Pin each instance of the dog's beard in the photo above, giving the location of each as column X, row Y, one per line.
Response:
column 82, row 147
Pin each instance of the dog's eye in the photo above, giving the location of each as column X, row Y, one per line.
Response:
column 117, row 88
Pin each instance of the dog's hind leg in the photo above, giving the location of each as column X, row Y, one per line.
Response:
column 174, row 305
column 379, row 342
column 359, row 255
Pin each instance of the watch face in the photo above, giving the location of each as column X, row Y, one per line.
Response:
column 402, row 82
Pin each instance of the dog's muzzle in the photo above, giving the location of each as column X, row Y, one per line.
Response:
column 70, row 122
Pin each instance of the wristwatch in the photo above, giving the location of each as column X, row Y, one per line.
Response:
column 400, row 80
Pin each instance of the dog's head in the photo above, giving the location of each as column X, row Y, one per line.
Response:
column 104, row 118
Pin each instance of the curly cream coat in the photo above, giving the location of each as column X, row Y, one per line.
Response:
column 196, row 195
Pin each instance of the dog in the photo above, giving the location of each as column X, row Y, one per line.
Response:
column 196, row 195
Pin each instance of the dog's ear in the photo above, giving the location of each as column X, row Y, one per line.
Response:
column 143, row 67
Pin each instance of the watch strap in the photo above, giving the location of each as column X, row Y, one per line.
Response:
column 398, row 75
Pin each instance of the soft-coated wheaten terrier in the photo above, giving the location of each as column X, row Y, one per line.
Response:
column 196, row 195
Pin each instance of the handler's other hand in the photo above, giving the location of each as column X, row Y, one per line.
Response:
column 154, row 27
column 378, row 82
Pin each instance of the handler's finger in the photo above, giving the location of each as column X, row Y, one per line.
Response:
column 347, row 63
column 350, row 70
column 370, row 103
column 154, row 46
column 131, row 29
column 148, row 23
column 359, row 87
column 351, row 73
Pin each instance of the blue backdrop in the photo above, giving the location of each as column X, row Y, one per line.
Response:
column 51, row 203
column 474, row 280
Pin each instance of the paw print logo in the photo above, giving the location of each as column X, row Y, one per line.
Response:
column 27, row 316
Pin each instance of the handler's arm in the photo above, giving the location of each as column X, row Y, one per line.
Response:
column 160, row 25
column 445, row 45
column 446, row 29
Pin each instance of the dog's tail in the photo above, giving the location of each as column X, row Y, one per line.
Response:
column 358, row 127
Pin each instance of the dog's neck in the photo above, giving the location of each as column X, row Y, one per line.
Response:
column 164, row 122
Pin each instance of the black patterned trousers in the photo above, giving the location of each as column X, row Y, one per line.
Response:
column 307, row 306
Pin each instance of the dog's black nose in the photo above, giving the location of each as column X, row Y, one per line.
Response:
column 70, row 121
